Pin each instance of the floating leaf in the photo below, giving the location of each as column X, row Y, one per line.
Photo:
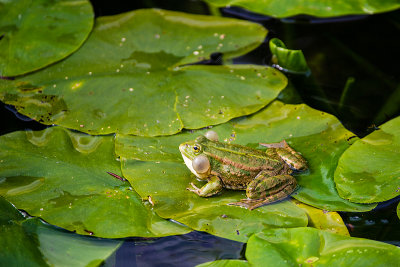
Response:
column 312, row 247
column 320, row 138
column 164, row 180
column 318, row 8
column 398, row 210
column 34, row 34
column 324, row 220
column 133, row 76
column 369, row 170
column 165, row 184
column 30, row 241
column 154, row 167
column 291, row 60
column 61, row 176
column 225, row 263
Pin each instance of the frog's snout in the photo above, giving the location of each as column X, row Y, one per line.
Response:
column 183, row 146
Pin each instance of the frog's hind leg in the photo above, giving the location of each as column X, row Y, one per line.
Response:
column 293, row 158
column 264, row 190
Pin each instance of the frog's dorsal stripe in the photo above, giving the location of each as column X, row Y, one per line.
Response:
column 238, row 165
column 254, row 153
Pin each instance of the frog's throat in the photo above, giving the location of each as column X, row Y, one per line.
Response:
column 188, row 163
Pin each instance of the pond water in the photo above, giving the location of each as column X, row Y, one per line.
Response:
column 360, row 51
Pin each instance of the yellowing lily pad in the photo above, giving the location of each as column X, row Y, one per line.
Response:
column 318, row 8
column 34, row 34
column 325, row 220
column 133, row 76
column 369, row 171
column 61, row 176
column 312, row 247
column 34, row 243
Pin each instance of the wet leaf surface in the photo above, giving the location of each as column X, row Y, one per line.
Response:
column 34, row 34
column 318, row 8
column 312, row 247
column 30, row 241
column 225, row 263
column 61, row 176
column 369, row 171
column 133, row 77
column 289, row 59
column 154, row 168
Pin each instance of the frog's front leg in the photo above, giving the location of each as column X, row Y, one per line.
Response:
column 212, row 187
column 266, row 189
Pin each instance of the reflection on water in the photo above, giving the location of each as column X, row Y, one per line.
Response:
column 380, row 224
column 184, row 250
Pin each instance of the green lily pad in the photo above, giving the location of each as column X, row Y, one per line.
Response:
column 30, row 241
column 34, row 34
column 154, row 167
column 312, row 247
column 156, row 171
column 61, row 176
column 132, row 76
column 225, row 263
column 325, row 220
column 289, row 59
column 318, row 8
column 398, row 210
column 164, row 184
column 320, row 138
column 369, row 171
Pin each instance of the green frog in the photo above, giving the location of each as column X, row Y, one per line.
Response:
column 265, row 175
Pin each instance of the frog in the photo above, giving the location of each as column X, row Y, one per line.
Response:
column 266, row 175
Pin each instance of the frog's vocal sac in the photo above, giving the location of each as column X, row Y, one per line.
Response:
column 265, row 175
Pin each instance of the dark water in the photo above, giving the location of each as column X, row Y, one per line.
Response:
column 362, row 51
column 185, row 250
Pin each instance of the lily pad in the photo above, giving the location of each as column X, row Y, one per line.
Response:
column 318, row 136
column 30, row 241
column 225, row 263
column 312, row 247
column 318, row 8
column 325, row 220
column 154, row 167
column 34, row 34
column 164, row 179
column 369, row 171
column 398, row 210
column 61, row 176
column 289, row 59
column 133, row 76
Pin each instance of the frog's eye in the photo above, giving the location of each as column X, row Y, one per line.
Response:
column 196, row 148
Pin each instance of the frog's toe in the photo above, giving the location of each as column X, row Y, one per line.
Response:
column 193, row 188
